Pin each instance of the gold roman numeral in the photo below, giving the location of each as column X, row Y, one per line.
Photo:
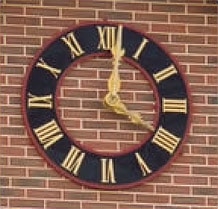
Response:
column 174, row 105
column 48, row 133
column 72, row 43
column 44, row 101
column 107, row 37
column 166, row 140
column 73, row 160
column 142, row 164
column 107, row 171
column 54, row 71
column 165, row 73
column 140, row 49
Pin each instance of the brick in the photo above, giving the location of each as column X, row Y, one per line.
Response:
column 202, row 30
column 23, row 40
column 27, row 182
column 43, row 194
column 172, row 28
column 4, row 181
column 18, row 20
column 189, row 200
column 77, row 195
column 42, row 12
column 13, row 171
column 115, row 197
column 90, row 205
column 141, row 198
column 12, row 30
column 151, row 17
column 4, row 9
column 106, row 15
column 170, row 189
column 58, row 23
column 23, row 2
column 187, row 1
column 198, row 49
column 56, row 3
column 212, row 160
column 13, row 151
column 26, row 162
column 213, row 60
column 93, row 4
column 82, row 93
column 168, row 8
column 192, row 160
column 205, row 150
column 43, row 173
column 135, row 206
column 212, row 20
column 11, row 192
column 63, row 204
column 11, row 50
column 188, row 39
column 189, row 180
column 12, row 131
column 210, row 171
column 63, row 184
column 191, row 59
column 202, row 9
column 132, row 6
column 187, row 19
column 35, row 31
column 26, row 203
column 82, row 13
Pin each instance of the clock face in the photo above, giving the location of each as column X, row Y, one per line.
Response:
column 105, row 105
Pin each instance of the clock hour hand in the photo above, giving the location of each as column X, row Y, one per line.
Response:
column 113, row 102
column 117, row 53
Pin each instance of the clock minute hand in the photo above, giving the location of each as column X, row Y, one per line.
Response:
column 117, row 53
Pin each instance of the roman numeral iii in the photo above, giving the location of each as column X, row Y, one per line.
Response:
column 166, row 140
column 48, row 133
column 174, row 105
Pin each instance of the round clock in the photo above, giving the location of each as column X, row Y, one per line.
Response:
column 135, row 94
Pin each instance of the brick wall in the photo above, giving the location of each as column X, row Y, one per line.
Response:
column 188, row 29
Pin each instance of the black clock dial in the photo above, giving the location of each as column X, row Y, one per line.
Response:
column 75, row 161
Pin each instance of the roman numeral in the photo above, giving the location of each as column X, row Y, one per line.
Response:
column 174, row 105
column 107, row 37
column 48, row 133
column 72, row 43
column 165, row 73
column 166, row 140
column 140, row 49
column 142, row 164
column 44, row 101
column 107, row 171
column 54, row 71
column 73, row 160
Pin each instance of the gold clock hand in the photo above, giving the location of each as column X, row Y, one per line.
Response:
column 117, row 52
column 114, row 103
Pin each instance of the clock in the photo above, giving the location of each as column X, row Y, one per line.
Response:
column 118, row 44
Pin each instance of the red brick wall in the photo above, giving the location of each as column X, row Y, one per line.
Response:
column 188, row 29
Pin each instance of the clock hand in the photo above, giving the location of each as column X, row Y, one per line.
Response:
column 117, row 52
column 114, row 103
